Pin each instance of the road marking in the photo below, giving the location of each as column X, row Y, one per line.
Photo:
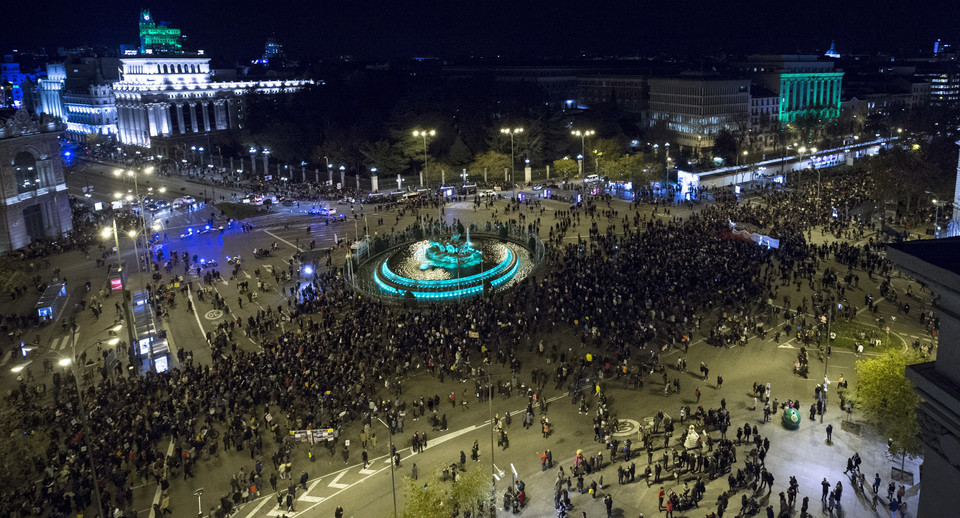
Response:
column 213, row 314
column 195, row 315
column 6, row 357
column 449, row 436
column 313, row 499
column 631, row 427
column 284, row 240
column 157, row 494
column 263, row 502
column 786, row 346
column 335, row 483
column 368, row 471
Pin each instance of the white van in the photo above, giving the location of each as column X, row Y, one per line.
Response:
column 590, row 178
column 487, row 192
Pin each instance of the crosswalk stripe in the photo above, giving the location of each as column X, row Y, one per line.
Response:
column 312, row 499
column 368, row 471
column 335, row 485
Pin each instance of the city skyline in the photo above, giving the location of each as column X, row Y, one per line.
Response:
column 237, row 31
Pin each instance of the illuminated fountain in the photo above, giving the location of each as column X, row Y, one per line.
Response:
column 446, row 269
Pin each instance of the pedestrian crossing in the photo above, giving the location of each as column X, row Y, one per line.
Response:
column 60, row 344
column 63, row 343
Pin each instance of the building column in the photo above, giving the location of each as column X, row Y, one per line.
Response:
column 232, row 114
column 181, row 125
column 130, row 132
column 785, row 96
column 152, row 120
column 164, row 109
column 141, row 125
column 193, row 118
column 206, row 116
column 218, row 114
column 795, row 96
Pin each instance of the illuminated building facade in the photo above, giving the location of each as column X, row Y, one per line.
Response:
column 697, row 106
column 35, row 204
column 50, row 90
column 87, row 97
column 158, row 38
column 806, row 86
column 163, row 98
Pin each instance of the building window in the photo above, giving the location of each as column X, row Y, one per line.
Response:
column 28, row 177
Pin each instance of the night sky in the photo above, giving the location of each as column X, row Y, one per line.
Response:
column 515, row 29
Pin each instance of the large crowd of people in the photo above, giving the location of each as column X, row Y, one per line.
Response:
column 639, row 282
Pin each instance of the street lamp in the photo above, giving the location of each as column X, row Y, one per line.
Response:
column 423, row 135
column 583, row 134
column 513, row 170
column 393, row 482
column 136, row 189
column 936, row 218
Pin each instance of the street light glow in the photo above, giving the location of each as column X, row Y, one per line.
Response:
column 113, row 341
column 63, row 362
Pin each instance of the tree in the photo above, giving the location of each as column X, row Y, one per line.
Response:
column 430, row 497
column 491, row 161
column 459, row 154
column 725, row 146
column 887, row 400
column 385, row 157
column 627, row 167
column 566, row 167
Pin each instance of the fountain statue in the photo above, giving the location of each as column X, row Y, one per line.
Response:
column 455, row 252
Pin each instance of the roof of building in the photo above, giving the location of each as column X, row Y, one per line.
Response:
column 942, row 253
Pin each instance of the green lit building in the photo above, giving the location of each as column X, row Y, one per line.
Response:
column 806, row 86
column 158, row 38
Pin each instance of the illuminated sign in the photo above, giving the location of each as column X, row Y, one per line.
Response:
column 116, row 284
column 161, row 363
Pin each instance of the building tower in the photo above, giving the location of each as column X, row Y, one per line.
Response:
column 158, row 38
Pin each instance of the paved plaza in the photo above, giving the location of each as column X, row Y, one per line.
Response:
column 365, row 491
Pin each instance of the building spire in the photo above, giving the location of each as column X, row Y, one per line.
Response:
column 832, row 53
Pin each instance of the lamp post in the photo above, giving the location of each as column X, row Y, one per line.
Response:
column 936, row 218
column 513, row 169
column 423, row 135
column 393, row 482
column 136, row 191
column 583, row 134
column 253, row 160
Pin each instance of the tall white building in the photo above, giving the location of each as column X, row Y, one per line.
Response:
column 174, row 98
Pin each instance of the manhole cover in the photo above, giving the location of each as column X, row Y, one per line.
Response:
column 213, row 314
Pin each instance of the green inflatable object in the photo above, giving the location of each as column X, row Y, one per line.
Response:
column 791, row 419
